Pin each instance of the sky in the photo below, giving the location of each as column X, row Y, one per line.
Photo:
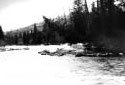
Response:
column 15, row 14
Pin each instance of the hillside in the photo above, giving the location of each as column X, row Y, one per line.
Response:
column 25, row 29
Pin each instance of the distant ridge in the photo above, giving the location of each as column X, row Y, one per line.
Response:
column 25, row 29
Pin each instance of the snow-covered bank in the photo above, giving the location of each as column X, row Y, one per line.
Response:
column 27, row 67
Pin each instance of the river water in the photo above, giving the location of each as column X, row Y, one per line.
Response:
column 27, row 67
column 101, row 71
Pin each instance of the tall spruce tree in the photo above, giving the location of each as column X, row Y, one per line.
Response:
column 1, row 33
column 24, row 38
column 79, row 16
column 35, row 31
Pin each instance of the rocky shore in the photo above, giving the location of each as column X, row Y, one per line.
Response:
column 80, row 50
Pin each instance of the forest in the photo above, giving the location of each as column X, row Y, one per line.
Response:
column 103, row 26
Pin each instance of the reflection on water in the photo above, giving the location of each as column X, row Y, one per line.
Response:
column 114, row 66
column 103, row 71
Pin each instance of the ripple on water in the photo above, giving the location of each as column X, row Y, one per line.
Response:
column 101, row 70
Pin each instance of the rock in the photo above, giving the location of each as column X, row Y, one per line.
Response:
column 44, row 52
column 26, row 48
column 80, row 55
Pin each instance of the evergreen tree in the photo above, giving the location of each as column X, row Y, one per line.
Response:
column 27, row 37
column 16, row 38
column 1, row 34
column 24, row 38
column 80, row 16
column 35, row 31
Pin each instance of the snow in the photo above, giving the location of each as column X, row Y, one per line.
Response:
column 27, row 67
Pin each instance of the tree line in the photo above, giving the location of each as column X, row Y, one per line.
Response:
column 80, row 26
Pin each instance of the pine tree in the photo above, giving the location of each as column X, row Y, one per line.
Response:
column 1, row 34
column 24, row 38
column 27, row 37
column 16, row 38
column 35, row 31
column 79, row 16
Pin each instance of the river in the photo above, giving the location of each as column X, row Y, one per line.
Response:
column 27, row 67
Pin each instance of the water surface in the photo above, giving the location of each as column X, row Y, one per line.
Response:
column 27, row 67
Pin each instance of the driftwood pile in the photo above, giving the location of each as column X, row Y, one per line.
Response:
column 58, row 52
column 87, row 50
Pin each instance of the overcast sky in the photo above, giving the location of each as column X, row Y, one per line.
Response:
column 20, row 13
